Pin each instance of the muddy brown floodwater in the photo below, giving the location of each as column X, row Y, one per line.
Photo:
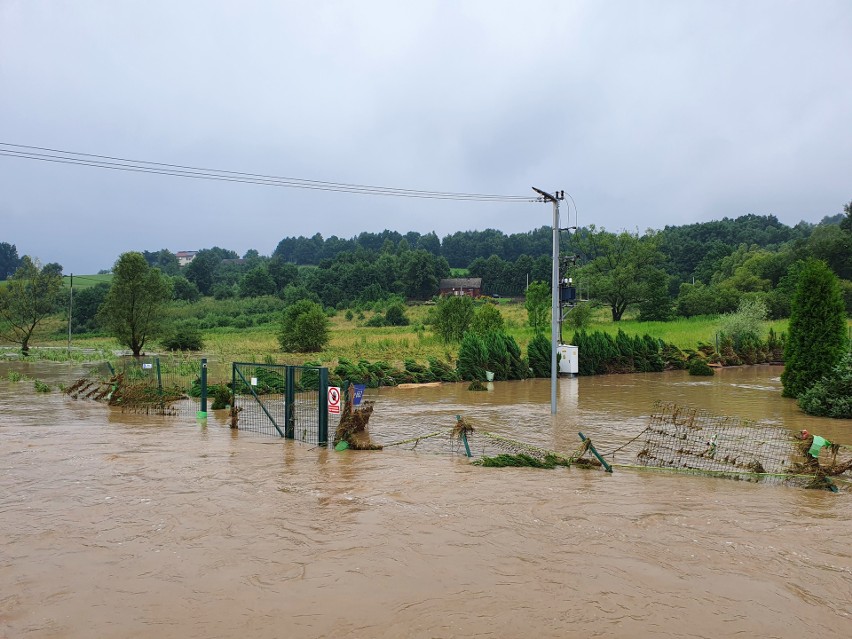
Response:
column 122, row 526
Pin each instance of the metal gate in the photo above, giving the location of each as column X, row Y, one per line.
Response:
column 283, row 401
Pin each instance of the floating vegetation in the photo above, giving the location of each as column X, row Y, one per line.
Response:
column 521, row 460
column 15, row 376
column 462, row 427
column 476, row 385
column 41, row 387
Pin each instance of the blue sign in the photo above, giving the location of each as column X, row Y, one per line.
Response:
column 359, row 393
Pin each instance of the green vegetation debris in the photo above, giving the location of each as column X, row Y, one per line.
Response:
column 521, row 460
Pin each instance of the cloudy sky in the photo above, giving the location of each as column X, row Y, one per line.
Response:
column 648, row 113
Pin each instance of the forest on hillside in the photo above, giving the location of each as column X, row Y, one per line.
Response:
column 694, row 269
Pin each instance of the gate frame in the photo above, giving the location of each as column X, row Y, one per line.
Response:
column 289, row 431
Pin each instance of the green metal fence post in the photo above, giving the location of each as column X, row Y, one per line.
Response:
column 592, row 448
column 322, row 435
column 290, row 402
column 202, row 412
column 233, row 394
column 159, row 382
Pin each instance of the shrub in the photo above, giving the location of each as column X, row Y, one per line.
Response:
column 221, row 397
column 673, row 357
column 699, row 366
column 727, row 353
column 452, row 317
column 473, row 357
column 395, row 315
column 184, row 290
column 376, row 321
column 832, row 395
column 579, row 317
column 224, row 292
column 499, row 361
column 487, row 319
column 518, row 366
column 349, row 316
column 442, row 371
column 540, row 355
column 745, row 325
column 184, row 337
column 304, row 328
column 775, row 346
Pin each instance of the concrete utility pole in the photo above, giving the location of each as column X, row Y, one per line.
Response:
column 554, row 319
column 70, row 309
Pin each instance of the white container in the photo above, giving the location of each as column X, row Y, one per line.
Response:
column 569, row 359
column 489, row 376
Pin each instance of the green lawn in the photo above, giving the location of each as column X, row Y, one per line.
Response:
column 86, row 281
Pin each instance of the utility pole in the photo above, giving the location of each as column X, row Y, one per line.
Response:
column 554, row 319
column 70, row 308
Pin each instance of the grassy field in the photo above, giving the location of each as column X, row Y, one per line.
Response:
column 352, row 340
column 86, row 281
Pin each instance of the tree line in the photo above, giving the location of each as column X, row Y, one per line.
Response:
column 695, row 269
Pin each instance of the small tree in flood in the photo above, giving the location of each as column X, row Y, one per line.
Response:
column 28, row 297
column 132, row 310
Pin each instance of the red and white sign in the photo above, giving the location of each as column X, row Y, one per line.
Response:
column 334, row 400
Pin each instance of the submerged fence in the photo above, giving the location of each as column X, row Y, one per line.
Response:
column 280, row 400
column 148, row 385
column 690, row 440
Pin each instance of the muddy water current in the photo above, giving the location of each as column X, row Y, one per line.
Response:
column 120, row 525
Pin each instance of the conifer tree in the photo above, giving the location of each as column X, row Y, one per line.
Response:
column 817, row 339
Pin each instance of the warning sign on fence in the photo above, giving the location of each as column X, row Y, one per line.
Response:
column 333, row 400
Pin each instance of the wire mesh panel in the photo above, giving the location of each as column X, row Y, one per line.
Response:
column 282, row 401
column 157, row 385
column 691, row 440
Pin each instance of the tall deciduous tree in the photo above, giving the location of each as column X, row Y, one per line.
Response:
column 132, row 310
column 452, row 317
column 201, row 270
column 418, row 273
column 28, row 297
column 537, row 303
column 9, row 260
column 619, row 266
column 817, row 334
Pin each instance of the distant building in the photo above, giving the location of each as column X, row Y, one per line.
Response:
column 185, row 257
column 470, row 286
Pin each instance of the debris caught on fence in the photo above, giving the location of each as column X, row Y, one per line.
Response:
column 353, row 424
column 688, row 439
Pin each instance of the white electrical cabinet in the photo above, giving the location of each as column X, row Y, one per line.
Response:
column 569, row 359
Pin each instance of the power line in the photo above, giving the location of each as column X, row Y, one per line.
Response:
column 59, row 156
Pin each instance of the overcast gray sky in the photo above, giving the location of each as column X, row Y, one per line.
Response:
column 648, row 113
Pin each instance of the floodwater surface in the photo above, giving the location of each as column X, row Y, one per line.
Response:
column 119, row 525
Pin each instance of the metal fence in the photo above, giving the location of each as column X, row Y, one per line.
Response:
column 283, row 401
column 157, row 385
